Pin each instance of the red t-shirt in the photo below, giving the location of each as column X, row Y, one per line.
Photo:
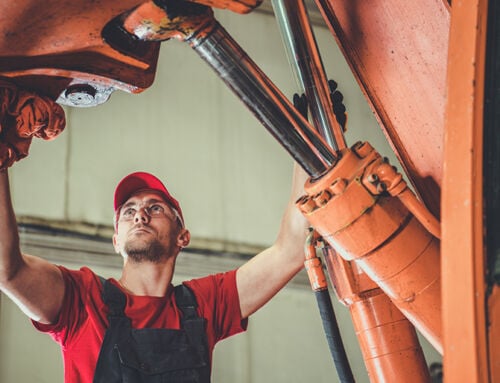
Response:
column 83, row 318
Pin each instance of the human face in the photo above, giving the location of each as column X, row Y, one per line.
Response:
column 148, row 229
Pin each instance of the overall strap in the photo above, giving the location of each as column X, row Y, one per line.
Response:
column 114, row 298
column 191, row 322
column 119, row 325
column 186, row 301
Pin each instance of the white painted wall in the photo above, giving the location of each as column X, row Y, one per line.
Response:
column 229, row 174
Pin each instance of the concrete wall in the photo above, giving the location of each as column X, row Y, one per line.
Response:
column 230, row 176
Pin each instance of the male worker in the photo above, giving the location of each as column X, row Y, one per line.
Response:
column 136, row 328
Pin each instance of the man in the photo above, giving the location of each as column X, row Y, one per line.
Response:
column 136, row 328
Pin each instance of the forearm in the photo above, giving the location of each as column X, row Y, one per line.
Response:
column 294, row 226
column 10, row 254
column 34, row 284
column 268, row 272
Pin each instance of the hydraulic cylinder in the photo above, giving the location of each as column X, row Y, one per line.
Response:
column 352, row 209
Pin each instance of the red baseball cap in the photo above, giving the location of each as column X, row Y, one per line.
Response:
column 139, row 181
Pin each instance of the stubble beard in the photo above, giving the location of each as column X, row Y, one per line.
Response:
column 145, row 251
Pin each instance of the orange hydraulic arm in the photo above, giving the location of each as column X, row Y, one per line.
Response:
column 363, row 208
column 352, row 210
column 388, row 341
column 74, row 52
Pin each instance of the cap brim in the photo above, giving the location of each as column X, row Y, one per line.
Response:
column 140, row 181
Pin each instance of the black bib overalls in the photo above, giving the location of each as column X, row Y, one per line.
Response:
column 153, row 355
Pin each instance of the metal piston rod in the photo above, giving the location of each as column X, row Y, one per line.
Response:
column 265, row 100
column 197, row 26
column 305, row 60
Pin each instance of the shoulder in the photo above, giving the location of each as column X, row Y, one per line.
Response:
column 214, row 289
column 82, row 276
column 82, row 282
column 82, row 289
column 213, row 282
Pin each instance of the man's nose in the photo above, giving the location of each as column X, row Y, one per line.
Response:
column 141, row 215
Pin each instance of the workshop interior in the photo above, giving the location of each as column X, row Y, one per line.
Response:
column 390, row 107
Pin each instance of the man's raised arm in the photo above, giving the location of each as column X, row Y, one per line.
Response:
column 34, row 284
column 264, row 275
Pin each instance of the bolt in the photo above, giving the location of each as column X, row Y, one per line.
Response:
column 306, row 205
column 362, row 149
column 322, row 198
column 338, row 186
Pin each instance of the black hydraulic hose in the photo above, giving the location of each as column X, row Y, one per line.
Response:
column 333, row 336
column 319, row 285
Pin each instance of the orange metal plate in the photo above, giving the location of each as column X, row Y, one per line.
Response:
column 48, row 45
column 462, row 246
column 398, row 52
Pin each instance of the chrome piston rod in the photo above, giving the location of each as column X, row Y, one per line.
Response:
column 264, row 99
column 305, row 60
column 195, row 24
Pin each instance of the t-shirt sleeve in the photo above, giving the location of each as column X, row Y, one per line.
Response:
column 218, row 302
column 72, row 312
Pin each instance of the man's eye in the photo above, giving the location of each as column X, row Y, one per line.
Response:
column 128, row 212
column 156, row 209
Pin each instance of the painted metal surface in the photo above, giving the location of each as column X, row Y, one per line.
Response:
column 463, row 250
column 397, row 51
column 388, row 341
column 52, row 45
column 76, row 52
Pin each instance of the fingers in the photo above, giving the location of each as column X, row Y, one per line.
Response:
column 24, row 115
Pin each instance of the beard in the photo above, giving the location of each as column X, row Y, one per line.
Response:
column 145, row 251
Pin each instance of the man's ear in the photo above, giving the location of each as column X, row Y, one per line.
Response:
column 115, row 243
column 183, row 238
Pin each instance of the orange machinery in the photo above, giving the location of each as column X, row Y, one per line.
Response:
column 396, row 258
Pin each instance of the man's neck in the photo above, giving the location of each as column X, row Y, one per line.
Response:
column 147, row 278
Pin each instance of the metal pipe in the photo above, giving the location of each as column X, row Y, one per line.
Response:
column 305, row 60
column 264, row 99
